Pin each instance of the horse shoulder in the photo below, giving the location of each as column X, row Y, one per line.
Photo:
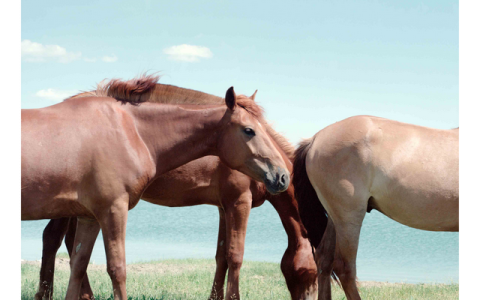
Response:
column 120, row 162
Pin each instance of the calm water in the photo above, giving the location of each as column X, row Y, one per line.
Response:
column 388, row 251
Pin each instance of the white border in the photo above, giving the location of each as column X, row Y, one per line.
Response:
column 469, row 147
column 10, row 13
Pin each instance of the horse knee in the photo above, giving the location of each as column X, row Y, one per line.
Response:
column 77, row 269
column 117, row 272
column 234, row 261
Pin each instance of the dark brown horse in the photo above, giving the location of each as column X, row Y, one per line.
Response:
column 208, row 181
column 93, row 157
column 407, row 172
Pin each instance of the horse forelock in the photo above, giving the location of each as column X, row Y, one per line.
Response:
column 257, row 111
column 250, row 106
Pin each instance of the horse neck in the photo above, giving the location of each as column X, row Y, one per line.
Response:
column 287, row 208
column 175, row 134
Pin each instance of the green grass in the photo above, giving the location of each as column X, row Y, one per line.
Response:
column 192, row 279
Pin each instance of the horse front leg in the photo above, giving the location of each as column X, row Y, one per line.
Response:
column 86, row 292
column 114, row 225
column 298, row 264
column 221, row 260
column 236, row 219
column 85, row 236
column 52, row 240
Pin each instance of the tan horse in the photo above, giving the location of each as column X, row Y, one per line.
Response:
column 208, row 181
column 93, row 157
column 407, row 172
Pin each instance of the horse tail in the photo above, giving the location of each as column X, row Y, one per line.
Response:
column 312, row 213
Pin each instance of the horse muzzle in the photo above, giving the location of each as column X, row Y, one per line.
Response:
column 278, row 181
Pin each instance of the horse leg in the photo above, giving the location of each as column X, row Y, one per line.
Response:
column 347, row 237
column 221, row 260
column 297, row 264
column 324, row 257
column 236, row 217
column 86, row 292
column 85, row 236
column 52, row 240
column 114, row 225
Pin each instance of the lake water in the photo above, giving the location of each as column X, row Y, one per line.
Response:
column 388, row 250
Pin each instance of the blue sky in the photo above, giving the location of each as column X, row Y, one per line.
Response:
column 313, row 63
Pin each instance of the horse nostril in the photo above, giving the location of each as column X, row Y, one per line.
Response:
column 283, row 180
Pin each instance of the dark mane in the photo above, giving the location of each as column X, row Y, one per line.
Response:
column 146, row 88
column 134, row 91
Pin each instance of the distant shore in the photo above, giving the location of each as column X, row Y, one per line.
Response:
column 192, row 279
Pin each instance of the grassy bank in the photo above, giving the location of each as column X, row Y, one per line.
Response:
column 192, row 279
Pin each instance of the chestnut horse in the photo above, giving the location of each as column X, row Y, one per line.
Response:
column 208, row 181
column 93, row 157
column 407, row 172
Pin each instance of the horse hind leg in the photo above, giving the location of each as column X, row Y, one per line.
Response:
column 52, row 240
column 324, row 258
column 86, row 292
column 344, row 193
column 347, row 229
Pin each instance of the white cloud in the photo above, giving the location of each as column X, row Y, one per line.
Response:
column 55, row 95
column 189, row 53
column 36, row 52
column 110, row 59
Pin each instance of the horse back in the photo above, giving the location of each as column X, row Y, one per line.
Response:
column 408, row 172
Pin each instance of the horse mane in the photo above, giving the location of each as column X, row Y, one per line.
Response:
column 146, row 88
column 281, row 141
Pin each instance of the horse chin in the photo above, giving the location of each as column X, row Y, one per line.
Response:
column 273, row 188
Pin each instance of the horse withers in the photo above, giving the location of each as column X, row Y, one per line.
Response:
column 407, row 172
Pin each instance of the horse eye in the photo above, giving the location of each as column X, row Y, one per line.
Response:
column 249, row 131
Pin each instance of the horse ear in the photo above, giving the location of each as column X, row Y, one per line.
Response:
column 253, row 96
column 231, row 99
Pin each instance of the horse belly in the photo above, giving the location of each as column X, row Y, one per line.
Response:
column 182, row 197
column 422, row 200
column 36, row 206
column 192, row 184
column 415, row 178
